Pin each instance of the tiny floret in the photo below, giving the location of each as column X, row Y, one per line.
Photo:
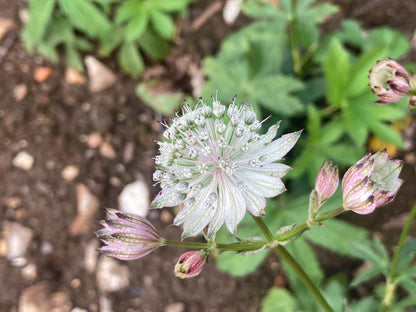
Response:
column 127, row 236
column 326, row 182
column 215, row 165
column 372, row 182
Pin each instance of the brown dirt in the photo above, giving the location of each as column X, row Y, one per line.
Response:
column 51, row 124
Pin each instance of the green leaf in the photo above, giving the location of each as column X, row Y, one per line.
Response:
column 366, row 275
column 171, row 5
column 264, row 10
column 337, row 72
column 261, row 90
column 111, row 40
column 410, row 286
column 351, row 33
column 238, row 265
column 162, row 103
column 386, row 133
column 137, row 25
column 334, row 291
column 342, row 236
column 358, row 79
column 367, row 304
column 365, row 250
column 154, row 46
column 128, row 10
column 398, row 45
column 278, row 299
column 86, row 17
column 40, row 14
column 73, row 58
column 130, row 60
column 163, row 24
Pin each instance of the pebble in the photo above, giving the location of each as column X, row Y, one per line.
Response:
column 107, row 150
column 19, row 92
column 23, row 160
column 135, row 198
column 105, row 304
column 111, row 275
column 166, row 216
column 29, row 272
column 5, row 25
column 99, row 75
column 69, row 173
column 76, row 309
column 91, row 255
column 87, row 206
column 38, row 298
column 94, row 140
column 72, row 76
column 13, row 202
column 175, row 307
column 128, row 152
column 231, row 11
column 42, row 73
column 17, row 239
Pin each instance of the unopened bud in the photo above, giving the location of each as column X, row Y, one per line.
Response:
column 190, row 264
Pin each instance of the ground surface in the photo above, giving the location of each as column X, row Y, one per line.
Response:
column 53, row 122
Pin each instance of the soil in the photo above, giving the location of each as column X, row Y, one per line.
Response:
column 52, row 123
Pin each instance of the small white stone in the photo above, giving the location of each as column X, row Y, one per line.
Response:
column 23, row 160
column 87, row 206
column 111, row 275
column 17, row 239
column 91, row 255
column 99, row 75
column 69, row 173
column 231, row 11
column 76, row 309
column 135, row 198
column 29, row 272
column 107, row 150
column 105, row 304
column 94, row 139
column 5, row 25
column 175, row 307
column 19, row 92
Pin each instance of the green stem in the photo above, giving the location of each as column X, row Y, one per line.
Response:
column 391, row 284
column 297, row 64
column 246, row 246
column 286, row 256
column 305, row 225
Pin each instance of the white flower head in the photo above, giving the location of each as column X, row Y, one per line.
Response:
column 215, row 165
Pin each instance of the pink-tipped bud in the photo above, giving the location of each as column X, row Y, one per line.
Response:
column 372, row 182
column 326, row 182
column 389, row 81
column 190, row 264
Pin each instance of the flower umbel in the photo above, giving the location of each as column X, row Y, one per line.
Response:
column 190, row 264
column 389, row 81
column 215, row 165
column 372, row 182
column 127, row 236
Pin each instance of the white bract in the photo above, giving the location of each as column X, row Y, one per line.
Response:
column 214, row 164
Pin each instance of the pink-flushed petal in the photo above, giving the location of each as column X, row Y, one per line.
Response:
column 364, row 207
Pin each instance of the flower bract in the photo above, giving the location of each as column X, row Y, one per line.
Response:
column 127, row 236
column 216, row 165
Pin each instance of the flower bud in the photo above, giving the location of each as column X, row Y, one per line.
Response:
column 372, row 182
column 190, row 264
column 127, row 236
column 326, row 182
column 389, row 81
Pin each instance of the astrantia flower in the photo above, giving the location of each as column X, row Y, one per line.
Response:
column 215, row 165
column 389, row 81
column 372, row 182
column 127, row 236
